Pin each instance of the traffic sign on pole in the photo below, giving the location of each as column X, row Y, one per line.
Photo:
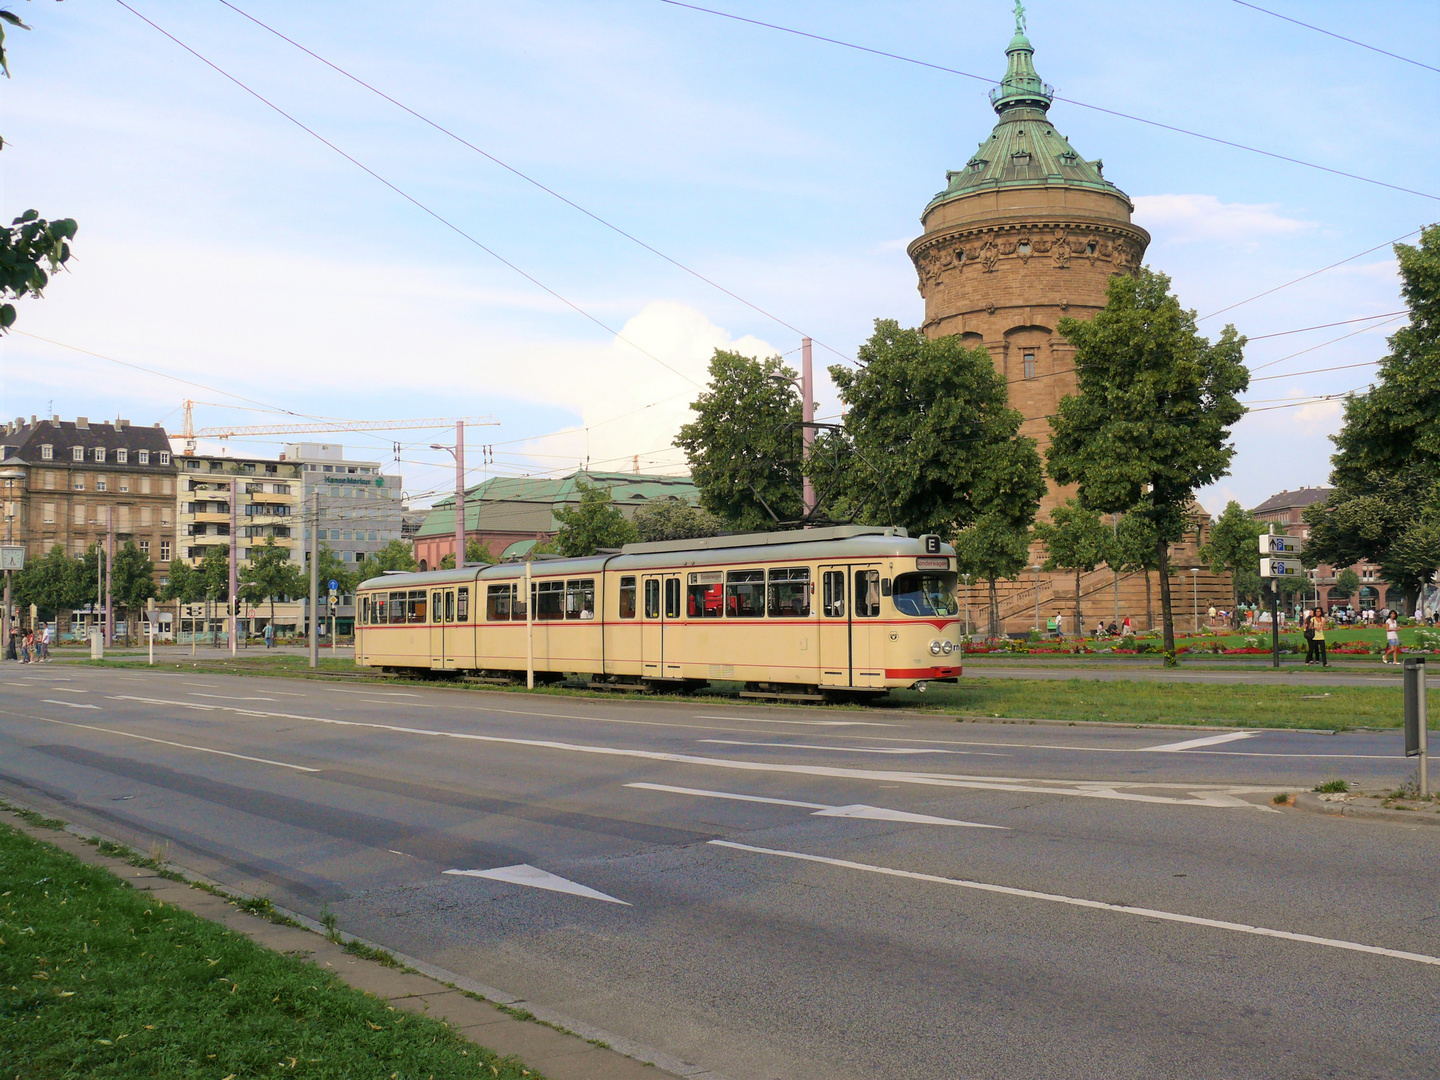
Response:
column 1280, row 545
column 334, row 585
column 1276, row 568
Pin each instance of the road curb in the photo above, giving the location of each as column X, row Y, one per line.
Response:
column 571, row 1054
column 1313, row 804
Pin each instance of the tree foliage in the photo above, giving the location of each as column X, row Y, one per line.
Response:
column 396, row 555
column 593, row 524
column 215, row 572
column 1137, row 552
column 186, row 584
column 992, row 549
column 1151, row 421
column 932, row 442
column 55, row 582
column 1234, row 548
column 271, row 575
column 744, row 443
column 477, row 552
column 1077, row 540
column 1348, row 582
column 1386, row 504
column 132, row 581
column 330, row 568
column 671, row 519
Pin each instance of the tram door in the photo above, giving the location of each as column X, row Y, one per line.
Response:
column 851, row 635
column 659, row 607
column 437, row 627
column 836, row 665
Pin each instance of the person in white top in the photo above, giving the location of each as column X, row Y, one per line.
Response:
column 45, row 642
column 1392, row 640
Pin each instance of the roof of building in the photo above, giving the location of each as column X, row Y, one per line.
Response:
column 1024, row 149
column 22, row 441
column 1292, row 500
column 526, row 504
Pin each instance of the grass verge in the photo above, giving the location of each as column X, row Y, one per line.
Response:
column 101, row 980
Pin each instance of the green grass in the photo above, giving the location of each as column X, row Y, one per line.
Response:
column 1333, row 708
column 100, row 980
column 1331, row 787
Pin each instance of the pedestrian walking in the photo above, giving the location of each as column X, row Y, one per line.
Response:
column 269, row 635
column 1308, row 632
column 45, row 642
column 27, row 645
column 1059, row 625
column 1317, row 624
column 1392, row 640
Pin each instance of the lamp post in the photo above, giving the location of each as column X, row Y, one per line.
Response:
column 1195, row 595
column 9, row 476
column 1036, row 568
column 458, row 453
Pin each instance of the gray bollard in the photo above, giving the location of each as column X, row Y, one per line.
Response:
column 1416, row 724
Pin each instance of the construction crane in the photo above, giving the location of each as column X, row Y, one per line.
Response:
column 189, row 434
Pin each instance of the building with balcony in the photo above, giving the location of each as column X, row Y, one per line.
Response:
column 267, row 504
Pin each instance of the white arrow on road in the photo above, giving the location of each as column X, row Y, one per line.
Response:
column 69, row 704
column 856, row 810
column 525, row 874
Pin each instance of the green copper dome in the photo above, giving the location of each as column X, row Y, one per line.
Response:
column 1024, row 150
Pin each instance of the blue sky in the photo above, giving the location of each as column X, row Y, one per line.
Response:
column 220, row 243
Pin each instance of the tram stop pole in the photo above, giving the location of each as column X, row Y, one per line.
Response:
column 529, row 631
column 1416, row 734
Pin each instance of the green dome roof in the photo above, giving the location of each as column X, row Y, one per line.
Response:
column 1024, row 150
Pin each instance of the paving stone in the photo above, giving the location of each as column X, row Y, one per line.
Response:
column 389, row 983
column 455, row 1009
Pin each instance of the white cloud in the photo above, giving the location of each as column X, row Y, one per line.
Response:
column 1319, row 417
column 1188, row 218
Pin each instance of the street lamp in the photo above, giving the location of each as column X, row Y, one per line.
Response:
column 458, row 453
column 806, row 386
column 9, row 476
column 1195, row 595
column 1036, row 568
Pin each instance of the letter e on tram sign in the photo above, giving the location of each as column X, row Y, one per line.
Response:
column 932, row 543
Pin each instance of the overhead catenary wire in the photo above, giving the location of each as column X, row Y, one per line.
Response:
column 1338, row 37
column 533, row 181
column 406, row 195
column 1069, row 101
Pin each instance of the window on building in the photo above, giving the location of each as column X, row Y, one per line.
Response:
column 164, row 550
column 77, row 454
column 164, row 457
column 166, row 518
column 47, row 513
column 102, row 484
column 122, row 456
column 99, row 453
column 50, row 475
column 144, row 546
column 47, row 452
column 79, row 514
column 78, row 482
column 167, row 486
column 124, row 483
column 77, row 548
column 146, row 514
column 143, row 456
column 1029, row 365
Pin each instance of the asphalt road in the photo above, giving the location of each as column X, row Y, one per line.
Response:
column 773, row 892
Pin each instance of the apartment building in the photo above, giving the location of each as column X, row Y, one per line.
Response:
column 83, row 480
column 360, row 507
column 267, row 494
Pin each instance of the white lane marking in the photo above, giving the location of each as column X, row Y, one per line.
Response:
column 525, row 874
column 851, row 749
column 167, row 742
column 230, row 697
column 407, row 704
column 979, row 783
column 1209, row 740
column 68, row 690
column 855, row 810
column 776, row 720
column 69, row 704
column 1098, row 905
column 386, row 693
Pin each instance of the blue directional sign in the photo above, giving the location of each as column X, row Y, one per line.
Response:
column 334, row 585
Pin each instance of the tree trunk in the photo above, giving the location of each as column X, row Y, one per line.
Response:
column 994, row 610
column 1149, row 605
column 1167, row 616
column 1079, row 614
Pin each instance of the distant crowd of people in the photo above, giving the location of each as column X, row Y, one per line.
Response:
column 30, row 647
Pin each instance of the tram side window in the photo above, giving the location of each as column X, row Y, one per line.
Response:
column 790, row 592
column 580, row 599
column 672, row 598
column 706, row 598
column 627, row 598
column 867, row 594
column 498, row 601
column 397, row 607
column 833, row 584
column 549, row 598
column 745, row 594
column 462, row 604
column 652, row 598
column 449, row 605
column 414, row 606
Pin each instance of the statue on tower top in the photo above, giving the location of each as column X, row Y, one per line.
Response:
column 1019, row 17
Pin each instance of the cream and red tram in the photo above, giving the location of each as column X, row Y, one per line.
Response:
column 851, row 608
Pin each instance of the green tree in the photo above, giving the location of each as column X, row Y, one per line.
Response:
column 396, row 555
column 744, row 443
column 132, row 582
column 331, row 568
column 53, row 583
column 1150, row 423
column 592, row 524
column 1348, row 582
column 215, row 572
column 31, row 248
column 186, row 586
column 671, row 519
column 477, row 552
column 1075, row 539
column 1136, row 552
column 1234, row 548
column 933, row 442
column 991, row 550
column 271, row 575
column 1385, row 508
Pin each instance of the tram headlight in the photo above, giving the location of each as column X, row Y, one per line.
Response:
column 935, row 648
column 948, row 648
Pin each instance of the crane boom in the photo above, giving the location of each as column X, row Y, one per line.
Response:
column 318, row 427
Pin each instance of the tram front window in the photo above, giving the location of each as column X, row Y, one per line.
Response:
column 926, row 595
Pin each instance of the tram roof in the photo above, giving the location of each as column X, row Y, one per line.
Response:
column 801, row 545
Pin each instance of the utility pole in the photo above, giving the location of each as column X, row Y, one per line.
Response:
column 233, row 606
column 529, row 631
column 10, row 476
column 315, row 581
column 807, row 416
column 109, row 577
column 459, row 494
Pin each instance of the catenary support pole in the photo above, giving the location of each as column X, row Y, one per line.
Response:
column 460, row 495
column 314, row 609
column 232, row 606
column 807, row 415
column 109, row 577
column 529, row 631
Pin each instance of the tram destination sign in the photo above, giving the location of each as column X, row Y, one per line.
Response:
column 1279, row 545
column 1277, row 568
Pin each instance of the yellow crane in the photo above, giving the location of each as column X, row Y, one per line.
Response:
column 314, row 427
